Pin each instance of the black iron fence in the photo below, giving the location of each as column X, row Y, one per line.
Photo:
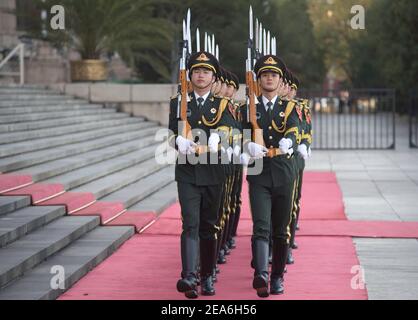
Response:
column 352, row 119
column 413, row 119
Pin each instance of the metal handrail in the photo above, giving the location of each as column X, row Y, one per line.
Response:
column 19, row 49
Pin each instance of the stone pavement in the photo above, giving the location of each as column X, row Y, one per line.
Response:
column 380, row 185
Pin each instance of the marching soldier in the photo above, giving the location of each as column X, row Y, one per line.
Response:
column 238, row 168
column 227, row 219
column 199, row 183
column 272, row 191
column 303, row 153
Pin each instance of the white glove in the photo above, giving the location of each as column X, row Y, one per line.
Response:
column 244, row 159
column 213, row 142
column 186, row 146
column 256, row 150
column 285, row 145
column 309, row 152
column 230, row 152
column 303, row 150
column 237, row 150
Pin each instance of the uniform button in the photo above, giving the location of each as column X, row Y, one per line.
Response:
column 270, row 137
column 270, row 128
column 200, row 122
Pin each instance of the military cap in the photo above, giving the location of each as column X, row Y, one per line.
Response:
column 203, row 59
column 270, row 63
column 221, row 75
column 295, row 82
column 234, row 81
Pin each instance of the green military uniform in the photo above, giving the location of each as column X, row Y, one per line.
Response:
column 200, row 184
column 306, row 139
column 237, row 187
column 272, row 191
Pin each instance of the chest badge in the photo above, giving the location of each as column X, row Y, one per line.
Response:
column 213, row 110
column 281, row 114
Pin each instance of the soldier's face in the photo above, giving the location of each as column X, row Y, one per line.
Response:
column 223, row 90
column 292, row 93
column 202, row 78
column 269, row 81
column 230, row 91
column 215, row 87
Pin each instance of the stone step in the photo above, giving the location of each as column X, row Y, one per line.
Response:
column 33, row 96
column 135, row 192
column 40, row 109
column 56, row 167
column 32, row 103
column 78, row 177
column 17, row 224
column 16, row 162
column 11, row 203
column 27, row 252
column 76, row 260
column 52, row 115
column 36, row 125
column 44, row 133
column 116, row 181
column 46, row 143
column 159, row 200
column 26, row 91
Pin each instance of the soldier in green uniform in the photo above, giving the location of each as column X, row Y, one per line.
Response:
column 199, row 173
column 303, row 153
column 233, row 152
column 224, row 209
column 238, row 168
column 272, row 191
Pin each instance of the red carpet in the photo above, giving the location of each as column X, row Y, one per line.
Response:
column 148, row 265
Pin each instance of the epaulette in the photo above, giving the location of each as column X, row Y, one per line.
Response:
column 174, row 97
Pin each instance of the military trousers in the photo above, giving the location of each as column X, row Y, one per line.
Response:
column 271, row 210
column 199, row 210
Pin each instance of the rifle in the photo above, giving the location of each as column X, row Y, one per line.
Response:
column 251, row 83
column 183, row 88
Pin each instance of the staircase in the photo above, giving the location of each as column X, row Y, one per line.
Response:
column 77, row 180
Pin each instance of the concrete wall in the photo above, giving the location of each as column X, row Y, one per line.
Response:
column 8, row 34
column 147, row 100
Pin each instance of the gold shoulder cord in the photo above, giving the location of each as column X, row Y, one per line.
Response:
column 218, row 117
column 289, row 109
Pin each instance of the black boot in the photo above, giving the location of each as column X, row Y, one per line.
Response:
column 252, row 254
column 214, row 276
column 188, row 282
column 260, row 281
column 295, row 245
column 221, row 257
column 280, row 249
column 226, row 249
column 232, row 244
column 207, row 264
column 290, row 259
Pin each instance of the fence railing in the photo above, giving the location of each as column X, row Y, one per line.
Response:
column 413, row 119
column 352, row 119
column 18, row 50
